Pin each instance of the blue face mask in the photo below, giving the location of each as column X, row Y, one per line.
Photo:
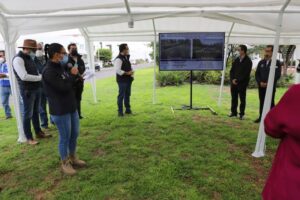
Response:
column 64, row 60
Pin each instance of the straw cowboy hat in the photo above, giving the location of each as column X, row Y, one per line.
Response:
column 29, row 44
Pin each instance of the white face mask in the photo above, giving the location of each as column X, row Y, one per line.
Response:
column 39, row 53
column 32, row 55
column 2, row 60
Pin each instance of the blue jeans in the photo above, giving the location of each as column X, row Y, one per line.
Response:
column 5, row 93
column 43, row 109
column 30, row 111
column 68, row 128
column 124, row 95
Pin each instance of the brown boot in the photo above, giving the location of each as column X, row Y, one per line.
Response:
column 43, row 135
column 76, row 162
column 67, row 168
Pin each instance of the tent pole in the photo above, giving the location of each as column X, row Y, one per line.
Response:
column 92, row 61
column 10, row 51
column 261, row 138
column 90, row 51
column 154, row 67
column 225, row 65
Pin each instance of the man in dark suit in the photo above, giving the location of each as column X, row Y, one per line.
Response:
column 262, row 76
column 240, row 77
column 75, row 60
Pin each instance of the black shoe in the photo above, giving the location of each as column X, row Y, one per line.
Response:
column 120, row 114
column 241, row 117
column 232, row 115
column 257, row 121
column 128, row 112
column 80, row 117
column 8, row 117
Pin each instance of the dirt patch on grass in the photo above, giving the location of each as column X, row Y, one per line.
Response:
column 99, row 152
column 196, row 118
column 217, row 196
column 261, row 173
column 5, row 177
column 103, row 136
column 42, row 194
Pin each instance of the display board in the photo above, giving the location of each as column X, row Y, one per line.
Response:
column 191, row 51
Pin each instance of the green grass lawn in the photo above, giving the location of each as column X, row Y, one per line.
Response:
column 153, row 154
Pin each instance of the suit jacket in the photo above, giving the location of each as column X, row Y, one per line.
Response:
column 263, row 70
column 241, row 71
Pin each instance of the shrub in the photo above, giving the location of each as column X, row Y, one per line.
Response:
column 210, row 77
column 165, row 78
column 105, row 54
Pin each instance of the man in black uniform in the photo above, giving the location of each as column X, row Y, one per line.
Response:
column 124, row 75
column 262, row 76
column 239, row 78
column 75, row 60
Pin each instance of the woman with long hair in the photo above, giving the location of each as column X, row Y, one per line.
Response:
column 58, row 86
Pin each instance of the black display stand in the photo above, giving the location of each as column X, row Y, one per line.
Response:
column 190, row 107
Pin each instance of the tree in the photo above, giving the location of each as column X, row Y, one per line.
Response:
column 257, row 49
column 287, row 52
column 104, row 54
column 152, row 53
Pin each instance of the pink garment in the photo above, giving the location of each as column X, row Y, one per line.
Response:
column 283, row 122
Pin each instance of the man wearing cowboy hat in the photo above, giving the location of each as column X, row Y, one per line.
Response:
column 29, row 80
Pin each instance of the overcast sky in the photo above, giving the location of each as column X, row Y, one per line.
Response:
column 138, row 50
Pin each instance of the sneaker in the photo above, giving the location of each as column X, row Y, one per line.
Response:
column 43, row 135
column 120, row 114
column 77, row 162
column 232, row 115
column 32, row 142
column 8, row 117
column 80, row 117
column 257, row 121
column 67, row 168
column 242, row 117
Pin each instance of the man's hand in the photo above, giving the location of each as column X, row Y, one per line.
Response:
column 3, row 76
column 263, row 84
column 234, row 82
column 74, row 71
column 129, row 73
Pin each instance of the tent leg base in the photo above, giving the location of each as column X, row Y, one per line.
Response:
column 258, row 154
column 186, row 107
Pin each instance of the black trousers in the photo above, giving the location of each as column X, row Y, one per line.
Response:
column 78, row 96
column 262, row 95
column 236, row 92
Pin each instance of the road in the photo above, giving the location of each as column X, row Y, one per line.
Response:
column 109, row 72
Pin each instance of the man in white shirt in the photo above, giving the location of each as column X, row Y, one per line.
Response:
column 29, row 81
column 124, row 76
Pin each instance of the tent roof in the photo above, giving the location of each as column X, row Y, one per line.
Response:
column 255, row 21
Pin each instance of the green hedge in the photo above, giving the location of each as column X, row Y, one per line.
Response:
column 209, row 77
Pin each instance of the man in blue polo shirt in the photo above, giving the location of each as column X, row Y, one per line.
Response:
column 5, row 90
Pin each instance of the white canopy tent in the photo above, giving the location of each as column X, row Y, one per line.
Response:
column 251, row 22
